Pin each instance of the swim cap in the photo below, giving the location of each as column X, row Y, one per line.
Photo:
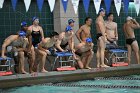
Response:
column 34, row 18
column 70, row 21
column 23, row 23
column 101, row 10
column 129, row 18
column 68, row 28
column 22, row 33
column 88, row 40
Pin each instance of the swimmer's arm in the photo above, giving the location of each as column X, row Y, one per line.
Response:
column 40, row 47
column 116, row 32
column 21, row 49
column 30, row 42
column 71, row 43
column 90, row 33
column 58, row 42
column 135, row 25
column 29, row 36
column 42, row 33
column 5, row 44
column 78, row 34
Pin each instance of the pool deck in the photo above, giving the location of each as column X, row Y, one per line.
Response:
column 65, row 76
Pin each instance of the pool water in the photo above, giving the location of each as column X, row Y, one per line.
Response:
column 45, row 88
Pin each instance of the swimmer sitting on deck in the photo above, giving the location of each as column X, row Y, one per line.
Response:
column 46, row 47
column 18, row 44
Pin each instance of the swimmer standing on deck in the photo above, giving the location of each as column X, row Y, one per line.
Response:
column 101, row 38
column 131, row 42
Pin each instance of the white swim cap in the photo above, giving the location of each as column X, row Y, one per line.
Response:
column 129, row 18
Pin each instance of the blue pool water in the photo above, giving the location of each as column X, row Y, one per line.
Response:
column 44, row 88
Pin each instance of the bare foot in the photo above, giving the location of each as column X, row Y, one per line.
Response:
column 24, row 72
column 87, row 67
column 104, row 65
column 44, row 71
column 4, row 57
column 98, row 65
column 31, row 71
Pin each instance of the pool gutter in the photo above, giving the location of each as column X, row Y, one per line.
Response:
column 65, row 76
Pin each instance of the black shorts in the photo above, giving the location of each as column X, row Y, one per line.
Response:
column 98, row 35
column 129, row 41
column 64, row 46
column 77, row 53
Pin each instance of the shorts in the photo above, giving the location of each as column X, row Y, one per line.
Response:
column 98, row 35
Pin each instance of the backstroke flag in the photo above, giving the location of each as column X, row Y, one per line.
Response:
column 51, row 4
column 86, row 5
column 75, row 4
column 137, row 6
column 126, row 5
column 14, row 3
column 65, row 2
column 27, row 4
column 97, row 5
column 1, row 3
column 118, row 6
column 40, row 4
column 107, row 5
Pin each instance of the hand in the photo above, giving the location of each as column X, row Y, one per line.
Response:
column 116, row 38
column 134, row 19
column 48, row 52
column 73, row 50
column 25, row 50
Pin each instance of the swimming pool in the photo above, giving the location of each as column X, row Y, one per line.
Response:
column 127, row 84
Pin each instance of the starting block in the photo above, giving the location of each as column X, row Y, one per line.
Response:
column 118, row 57
column 66, row 68
column 5, row 66
column 116, row 64
column 59, row 56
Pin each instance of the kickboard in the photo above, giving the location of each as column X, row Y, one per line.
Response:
column 119, row 64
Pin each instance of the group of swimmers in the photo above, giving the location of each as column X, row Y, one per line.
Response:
column 30, row 42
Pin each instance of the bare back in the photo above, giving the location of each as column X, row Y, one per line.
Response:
column 47, row 43
column 10, row 39
column 82, row 47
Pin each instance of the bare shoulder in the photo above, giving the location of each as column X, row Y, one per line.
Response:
column 115, row 23
column 30, row 28
column 12, row 37
column 45, row 40
column 40, row 27
column 82, row 27
column 79, row 45
column 61, row 35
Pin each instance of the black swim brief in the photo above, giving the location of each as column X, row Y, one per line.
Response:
column 129, row 41
column 98, row 35
column 64, row 46
column 110, row 41
column 77, row 53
